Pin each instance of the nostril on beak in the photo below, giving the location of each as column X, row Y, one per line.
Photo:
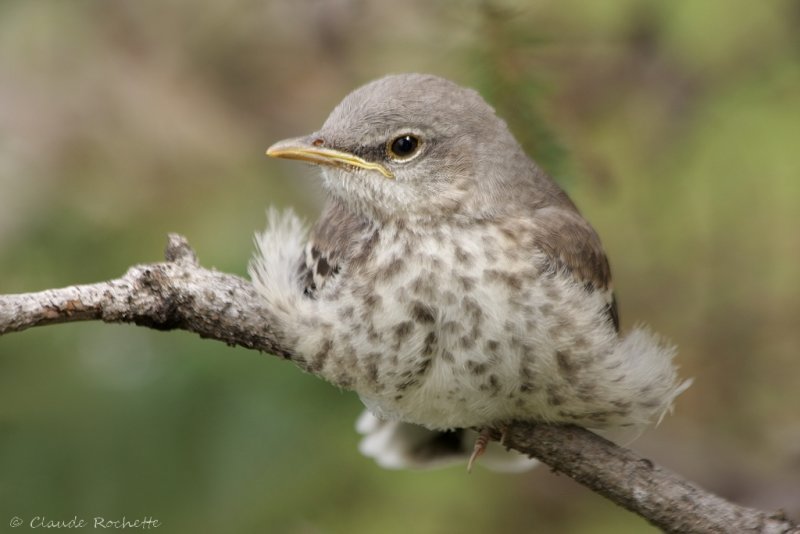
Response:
column 318, row 141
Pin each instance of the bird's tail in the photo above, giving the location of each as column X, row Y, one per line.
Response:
column 643, row 378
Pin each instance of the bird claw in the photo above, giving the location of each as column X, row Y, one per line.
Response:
column 480, row 447
column 504, row 434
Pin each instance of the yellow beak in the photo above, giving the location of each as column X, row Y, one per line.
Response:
column 300, row 148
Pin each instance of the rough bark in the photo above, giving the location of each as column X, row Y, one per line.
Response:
column 179, row 294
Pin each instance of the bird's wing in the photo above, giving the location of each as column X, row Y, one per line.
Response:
column 572, row 246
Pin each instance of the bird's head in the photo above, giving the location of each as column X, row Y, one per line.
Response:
column 414, row 146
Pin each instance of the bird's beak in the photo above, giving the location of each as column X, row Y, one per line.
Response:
column 304, row 149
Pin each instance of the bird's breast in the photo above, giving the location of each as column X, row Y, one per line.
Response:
column 455, row 326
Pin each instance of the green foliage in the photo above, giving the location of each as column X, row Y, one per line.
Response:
column 505, row 64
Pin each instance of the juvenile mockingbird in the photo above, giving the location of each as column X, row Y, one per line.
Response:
column 450, row 282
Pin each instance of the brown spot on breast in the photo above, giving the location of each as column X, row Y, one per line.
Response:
column 494, row 384
column 472, row 309
column 424, row 285
column 344, row 381
column 323, row 267
column 372, row 301
column 565, row 365
column 462, row 255
column 373, row 335
column 402, row 331
column 581, row 342
column 318, row 360
column 430, row 342
column 372, row 372
column 613, row 312
column 467, row 282
column 476, row 368
column 511, row 280
column 407, row 384
column 512, row 235
column 476, row 331
column 467, row 342
column 652, row 403
column 451, row 327
column 422, row 366
column 621, row 404
column 600, row 416
column 393, row 268
column 372, row 360
column 422, row 313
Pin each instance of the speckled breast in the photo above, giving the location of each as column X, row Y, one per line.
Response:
column 463, row 326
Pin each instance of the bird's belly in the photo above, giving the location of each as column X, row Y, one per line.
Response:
column 479, row 360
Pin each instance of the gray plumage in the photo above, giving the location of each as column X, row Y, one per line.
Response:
column 449, row 281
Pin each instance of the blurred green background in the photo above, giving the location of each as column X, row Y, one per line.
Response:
column 675, row 126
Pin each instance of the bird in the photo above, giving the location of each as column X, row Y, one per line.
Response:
column 451, row 283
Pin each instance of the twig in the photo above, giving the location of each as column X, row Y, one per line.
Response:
column 179, row 294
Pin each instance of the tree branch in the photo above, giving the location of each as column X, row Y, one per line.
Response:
column 179, row 294
column 663, row 498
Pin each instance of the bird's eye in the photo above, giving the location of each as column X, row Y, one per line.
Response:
column 403, row 147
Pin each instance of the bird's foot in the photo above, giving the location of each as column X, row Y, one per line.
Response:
column 503, row 434
column 480, row 447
